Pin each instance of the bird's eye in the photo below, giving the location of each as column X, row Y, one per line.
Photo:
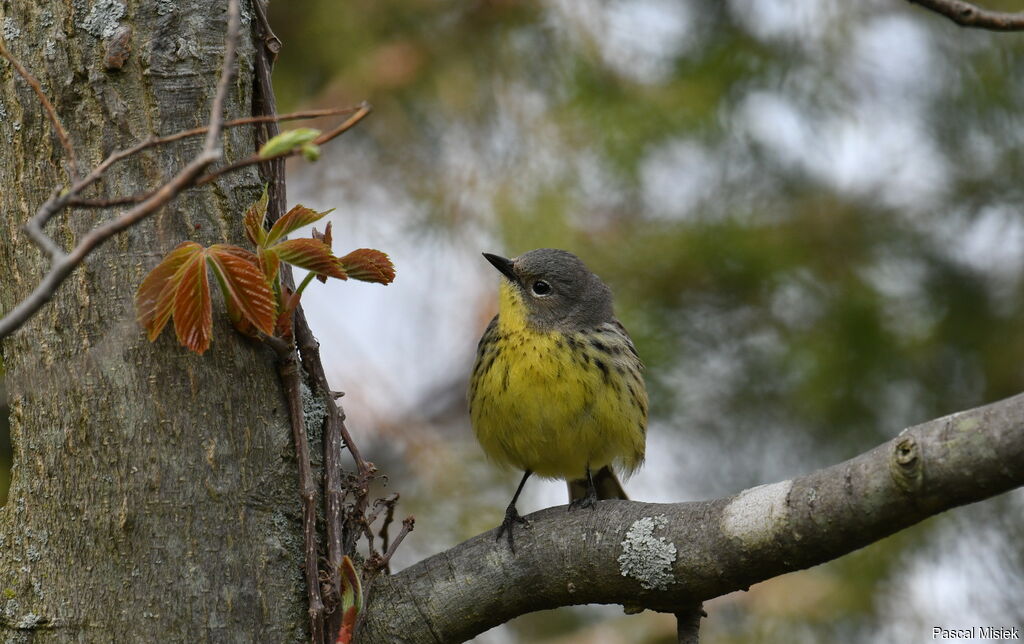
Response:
column 540, row 287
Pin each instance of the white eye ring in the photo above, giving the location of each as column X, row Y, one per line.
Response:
column 541, row 288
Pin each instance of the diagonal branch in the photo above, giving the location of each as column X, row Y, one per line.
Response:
column 966, row 14
column 344, row 126
column 184, row 134
column 671, row 557
column 63, row 264
column 362, row 110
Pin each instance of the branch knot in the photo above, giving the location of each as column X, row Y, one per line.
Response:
column 905, row 465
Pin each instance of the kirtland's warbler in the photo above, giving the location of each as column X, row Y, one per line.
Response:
column 556, row 389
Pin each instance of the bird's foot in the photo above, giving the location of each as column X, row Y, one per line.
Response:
column 511, row 518
column 588, row 501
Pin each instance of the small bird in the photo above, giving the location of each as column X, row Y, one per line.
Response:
column 557, row 388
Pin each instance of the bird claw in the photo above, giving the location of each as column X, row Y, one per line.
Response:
column 511, row 518
column 588, row 501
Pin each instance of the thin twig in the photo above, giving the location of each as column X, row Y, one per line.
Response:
column 377, row 562
column 251, row 120
column 346, row 125
column 35, row 226
column 35, row 231
column 384, row 531
column 380, row 505
column 278, row 345
column 334, row 435
column 264, row 102
column 310, row 350
column 62, row 134
column 966, row 14
column 367, row 522
column 270, row 39
column 407, row 526
column 62, row 265
column 369, row 538
column 272, row 171
column 288, row 369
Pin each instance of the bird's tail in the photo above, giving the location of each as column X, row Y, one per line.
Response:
column 607, row 484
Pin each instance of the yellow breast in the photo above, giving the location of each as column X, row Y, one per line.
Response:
column 551, row 402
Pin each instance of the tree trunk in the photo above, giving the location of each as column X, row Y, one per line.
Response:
column 154, row 491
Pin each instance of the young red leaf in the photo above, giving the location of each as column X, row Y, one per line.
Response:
column 238, row 320
column 369, row 265
column 244, row 287
column 269, row 263
column 351, row 600
column 240, row 253
column 283, row 328
column 193, row 313
column 310, row 254
column 294, row 219
column 325, row 238
column 242, row 324
column 348, row 626
column 254, row 220
column 155, row 296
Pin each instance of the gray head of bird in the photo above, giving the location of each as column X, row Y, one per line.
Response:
column 558, row 289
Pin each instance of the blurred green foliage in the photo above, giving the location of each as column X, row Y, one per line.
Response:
column 810, row 212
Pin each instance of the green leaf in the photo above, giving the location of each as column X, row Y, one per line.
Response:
column 294, row 219
column 311, row 151
column 369, row 265
column 287, row 141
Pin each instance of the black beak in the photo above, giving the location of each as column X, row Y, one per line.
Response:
column 503, row 265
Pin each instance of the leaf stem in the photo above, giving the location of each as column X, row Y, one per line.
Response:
column 298, row 292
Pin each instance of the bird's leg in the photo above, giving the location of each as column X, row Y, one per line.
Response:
column 512, row 515
column 590, row 500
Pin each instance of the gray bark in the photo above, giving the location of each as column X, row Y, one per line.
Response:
column 154, row 491
column 671, row 557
